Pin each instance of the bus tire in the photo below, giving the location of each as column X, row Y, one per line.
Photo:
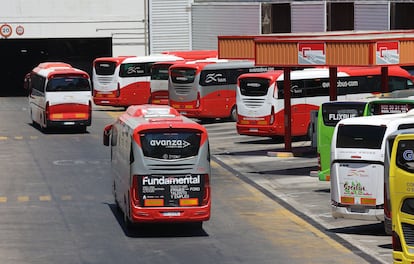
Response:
column 233, row 114
column 127, row 221
column 387, row 226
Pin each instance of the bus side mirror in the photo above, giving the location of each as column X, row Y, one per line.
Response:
column 107, row 134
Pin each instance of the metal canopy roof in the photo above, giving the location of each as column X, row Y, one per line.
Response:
column 336, row 48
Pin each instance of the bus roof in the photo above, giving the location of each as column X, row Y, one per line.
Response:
column 376, row 120
column 150, row 117
column 49, row 69
column 152, row 58
column 193, row 54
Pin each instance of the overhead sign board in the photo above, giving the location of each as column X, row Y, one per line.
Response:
column 311, row 53
column 387, row 52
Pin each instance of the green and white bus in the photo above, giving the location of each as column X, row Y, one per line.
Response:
column 330, row 113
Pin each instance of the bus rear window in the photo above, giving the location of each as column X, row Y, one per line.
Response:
column 183, row 75
column 333, row 113
column 405, row 155
column 360, row 136
column 170, row 146
column 105, row 68
column 254, row 86
column 68, row 84
column 160, row 72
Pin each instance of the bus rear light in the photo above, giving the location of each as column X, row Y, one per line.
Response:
column 368, row 201
column 154, row 202
column 243, row 122
column 396, row 242
column 198, row 101
column 206, row 196
column 272, row 115
column 189, row 202
column 355, row 157
column 264, row 122
column 134, row 190
column 347, row 200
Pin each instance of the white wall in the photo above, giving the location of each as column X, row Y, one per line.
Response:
column 122, row 20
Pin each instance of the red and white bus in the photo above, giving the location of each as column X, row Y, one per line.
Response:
column 59, row 96
column 124, row 81
column 207, row 90
column 160, row 76
column 160, row 166
column 260, row 96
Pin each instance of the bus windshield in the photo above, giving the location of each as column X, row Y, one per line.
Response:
column 68, row 84
column 360, row 136
column 160, row 72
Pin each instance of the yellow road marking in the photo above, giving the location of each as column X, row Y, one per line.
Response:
column 66, row 197
column 23, row 198
column 3, row 199
column 18, row 137
column 45, row 198
column 3, row 138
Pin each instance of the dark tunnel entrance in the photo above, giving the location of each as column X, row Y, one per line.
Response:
column 19, row 56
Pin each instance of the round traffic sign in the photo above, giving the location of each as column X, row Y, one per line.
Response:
column 6, row 30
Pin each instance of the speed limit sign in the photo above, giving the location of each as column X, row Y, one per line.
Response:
column 6, row 30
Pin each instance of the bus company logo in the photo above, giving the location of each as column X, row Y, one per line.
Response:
column 340, row 116
column 215, row 78
column 408, row 155
column 134, row 69
column 342, row 84
column 261, row 69
column 355, row 188
column 169, row 143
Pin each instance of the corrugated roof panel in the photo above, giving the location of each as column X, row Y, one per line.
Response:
column 212, row 20
column 371, row 16
column 169, row 23
column 308, row 17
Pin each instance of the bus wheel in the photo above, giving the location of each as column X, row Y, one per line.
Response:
column 118, row 207
column 127, row 222
column 233, row 114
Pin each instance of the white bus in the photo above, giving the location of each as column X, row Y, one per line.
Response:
column 59, row 96
column 124, row 81
column 357, row 164
column 260, row 96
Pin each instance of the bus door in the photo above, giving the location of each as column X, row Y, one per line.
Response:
column 401, row 180
column 356, row 172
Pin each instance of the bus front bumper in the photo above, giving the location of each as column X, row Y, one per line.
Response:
column 358, row 213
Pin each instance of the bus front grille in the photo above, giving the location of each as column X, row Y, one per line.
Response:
column 253, row 102
column 408, row 231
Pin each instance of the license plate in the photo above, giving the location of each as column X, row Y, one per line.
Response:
column 69, row 123
column 171, row 213
column 253, row 129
